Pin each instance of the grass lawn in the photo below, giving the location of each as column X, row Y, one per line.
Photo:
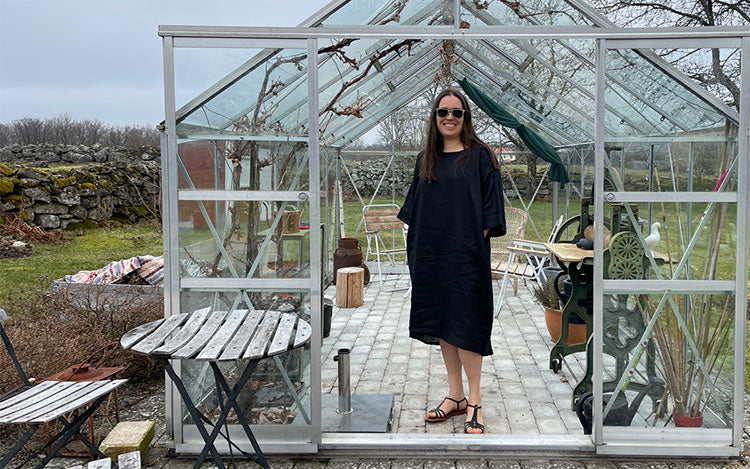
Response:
column 92, row 249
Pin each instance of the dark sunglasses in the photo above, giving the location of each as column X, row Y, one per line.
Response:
column 443, row 112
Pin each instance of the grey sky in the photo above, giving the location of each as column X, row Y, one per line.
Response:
column 101, row 59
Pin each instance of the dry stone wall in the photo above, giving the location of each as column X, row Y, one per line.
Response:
column 71, row 197
column 47, row 153
column 367, row 174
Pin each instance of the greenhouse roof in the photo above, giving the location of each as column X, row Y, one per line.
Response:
column 548, row 84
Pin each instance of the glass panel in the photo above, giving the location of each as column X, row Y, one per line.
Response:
column 261, row 83
column 284, row 252
column 262, row 164
column 359, row 12
column 667, row 381
column 537, row 12
column 267, row 399
column 654, row 100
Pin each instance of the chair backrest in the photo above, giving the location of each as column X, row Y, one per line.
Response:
column 9, row 347
column 381, row 217
column 515, row 227
column 555, row 229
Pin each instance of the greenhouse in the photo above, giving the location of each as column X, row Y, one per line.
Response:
column 258, row 123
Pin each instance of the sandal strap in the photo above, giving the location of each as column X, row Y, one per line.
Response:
column 440, row 413
column 458, row 403
column 473, row 423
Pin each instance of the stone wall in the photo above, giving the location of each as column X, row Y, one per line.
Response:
column 69, row 198
column 367, row 174
column 46, row 153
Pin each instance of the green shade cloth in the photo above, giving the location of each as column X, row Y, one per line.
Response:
column 533, row 141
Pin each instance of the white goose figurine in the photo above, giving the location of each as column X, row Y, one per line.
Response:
column 653, row 238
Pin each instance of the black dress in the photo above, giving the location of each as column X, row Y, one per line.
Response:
column 449, row 259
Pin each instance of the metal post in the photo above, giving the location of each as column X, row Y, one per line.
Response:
column 601, row 53
column 345, row 396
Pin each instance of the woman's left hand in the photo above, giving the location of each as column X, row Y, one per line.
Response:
column 485, row 233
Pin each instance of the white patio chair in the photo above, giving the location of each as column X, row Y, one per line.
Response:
column 379, row 218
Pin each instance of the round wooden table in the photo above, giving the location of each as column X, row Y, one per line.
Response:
column 218, row 336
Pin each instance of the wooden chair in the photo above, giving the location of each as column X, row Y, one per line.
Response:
column 378, row 218
column 502, row 263
column 526, row 260
column 37, row 404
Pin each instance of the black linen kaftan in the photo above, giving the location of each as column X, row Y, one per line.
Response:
column 449, row 258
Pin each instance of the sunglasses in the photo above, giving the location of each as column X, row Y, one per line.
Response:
column 443, row 112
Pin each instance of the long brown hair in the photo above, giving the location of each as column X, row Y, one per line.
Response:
column 434, row 144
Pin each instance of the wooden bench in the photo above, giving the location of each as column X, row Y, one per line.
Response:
column 50, row 401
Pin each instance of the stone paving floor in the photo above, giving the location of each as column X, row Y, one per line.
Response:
column 520, row 394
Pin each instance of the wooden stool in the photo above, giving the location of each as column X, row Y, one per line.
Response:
column 349, row 287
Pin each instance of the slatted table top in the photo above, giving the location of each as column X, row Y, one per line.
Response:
column 219, row 336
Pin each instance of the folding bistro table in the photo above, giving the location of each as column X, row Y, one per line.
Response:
column 216, row 337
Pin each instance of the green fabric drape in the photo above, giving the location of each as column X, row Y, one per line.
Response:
column 533, row 141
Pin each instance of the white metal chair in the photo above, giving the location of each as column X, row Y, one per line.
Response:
column 50, row 401
column 526, row 260
column 379, row 218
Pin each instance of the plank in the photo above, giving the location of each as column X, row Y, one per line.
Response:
column 568, row 252
column 384, row 226
column 382, row 219
column 262, row 337
column 380, row 212
column 26, row 394
column 130, row 460
column 200, row 339
column 304, row 332
column 102, row 388
column 105, row 463
column 47, row 397
column 156, row 338
column 134, row 335
column 280, row 342
column 235, row 347
column 214, row 346
column 194, row 322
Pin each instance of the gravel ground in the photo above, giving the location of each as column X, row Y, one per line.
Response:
column 147, row 402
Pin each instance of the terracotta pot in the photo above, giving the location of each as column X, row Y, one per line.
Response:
column 687, row 421
column 553, row 319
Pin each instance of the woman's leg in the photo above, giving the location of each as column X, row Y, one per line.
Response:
column 472, row 365
column 455, row 381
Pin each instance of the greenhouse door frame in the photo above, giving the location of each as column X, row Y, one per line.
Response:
column 639, row 441
column 288, row 438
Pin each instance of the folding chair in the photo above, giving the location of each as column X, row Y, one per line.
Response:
column 48, row 401
column 535, row 255
column 378, row 218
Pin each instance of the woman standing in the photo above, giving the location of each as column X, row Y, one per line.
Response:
column 454, row 205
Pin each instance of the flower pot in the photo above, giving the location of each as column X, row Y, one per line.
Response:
column 686, row 420
column 553, row 319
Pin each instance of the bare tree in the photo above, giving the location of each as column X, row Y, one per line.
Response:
column 716, row 69
column 65, row 130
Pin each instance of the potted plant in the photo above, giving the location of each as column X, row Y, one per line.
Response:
column 545, row 295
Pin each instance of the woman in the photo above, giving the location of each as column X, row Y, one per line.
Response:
column 454, row 205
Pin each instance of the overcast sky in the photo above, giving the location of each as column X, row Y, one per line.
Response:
column 102, row 59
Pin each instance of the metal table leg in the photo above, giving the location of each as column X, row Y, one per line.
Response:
column 197, row 416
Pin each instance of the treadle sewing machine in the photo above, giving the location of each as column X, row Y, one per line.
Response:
column 624, row 258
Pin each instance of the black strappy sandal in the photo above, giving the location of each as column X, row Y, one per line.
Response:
column 473, row 422
column 441, row 415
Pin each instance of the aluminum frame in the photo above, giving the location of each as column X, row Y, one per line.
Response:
column 603, row 36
